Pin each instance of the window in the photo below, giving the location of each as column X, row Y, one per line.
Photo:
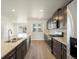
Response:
column 37, row 28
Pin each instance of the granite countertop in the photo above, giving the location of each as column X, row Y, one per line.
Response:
column 63, row 40
column 7, row 47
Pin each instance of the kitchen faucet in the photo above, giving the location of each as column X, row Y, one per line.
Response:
column 9, row 34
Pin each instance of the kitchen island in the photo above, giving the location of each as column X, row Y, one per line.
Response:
column 14, row 50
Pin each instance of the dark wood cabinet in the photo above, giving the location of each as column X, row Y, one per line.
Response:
column 11, row 55
column 58, row 20
column 64, row 52
column 57, row 49
column 47, row 40
column 24, row 49
column 52, row 45
column 57, row 52
column 21, row 50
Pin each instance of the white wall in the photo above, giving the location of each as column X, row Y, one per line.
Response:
column 36, row 35
column 8, row 23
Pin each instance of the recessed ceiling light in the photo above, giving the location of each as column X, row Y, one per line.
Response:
column 13, row 10
column 41, row 10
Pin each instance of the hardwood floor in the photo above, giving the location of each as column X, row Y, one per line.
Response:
column 39, row 50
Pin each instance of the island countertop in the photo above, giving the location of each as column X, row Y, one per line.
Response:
column 7, row 47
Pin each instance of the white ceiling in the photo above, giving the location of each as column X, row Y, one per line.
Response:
column 28, row 9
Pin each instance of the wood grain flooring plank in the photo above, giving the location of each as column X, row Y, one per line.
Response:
column 39, row 50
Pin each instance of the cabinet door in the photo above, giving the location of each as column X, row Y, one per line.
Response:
column 23, row 50
column 25, row 46
column 19, row 52
column 57, row 52
column 57, row 49
column 52, row 45
column 64, row 52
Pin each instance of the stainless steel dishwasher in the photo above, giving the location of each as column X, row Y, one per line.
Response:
column 28, row 42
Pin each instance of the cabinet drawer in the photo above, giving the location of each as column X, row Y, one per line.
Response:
column 56, row 43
